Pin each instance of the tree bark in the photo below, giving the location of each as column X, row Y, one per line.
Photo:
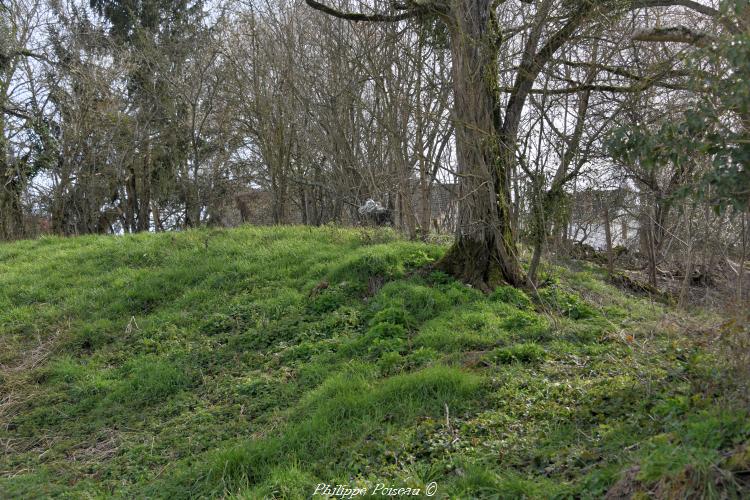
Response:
column 485, row 250
column 11, row 209
column 608, row 236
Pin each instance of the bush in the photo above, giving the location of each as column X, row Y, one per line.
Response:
column 328, row 300
column 387, row 261
column 218, row 323
column 475, row 327
column 390, row 363
column 513, row 296
column 394, row 316
column 519, row 353
column 286, row 482
column 420, row 302
column 525, row 324
column 565, row 303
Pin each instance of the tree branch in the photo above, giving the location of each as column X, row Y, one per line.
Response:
column 15, row 112
column 679, row 34
column 621, row 71
column 359, row 17
column 689, row 4
column 692, row 5
column 534, row 62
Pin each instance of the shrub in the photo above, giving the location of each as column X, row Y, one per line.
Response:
column 518, row 353
column 475, row 327
column 528, row 323
column 385, row 261
column 394, row 316
column 421, row 357
column 328, row 300
column 420, row 302
column 386, row 331
column 218, row 323
column 286, row 482
column 390, row 362
column 513, row 296
column 565, row 303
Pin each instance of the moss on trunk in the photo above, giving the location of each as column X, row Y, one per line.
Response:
column 485, row 251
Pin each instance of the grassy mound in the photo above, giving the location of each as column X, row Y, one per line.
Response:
column 260, row 362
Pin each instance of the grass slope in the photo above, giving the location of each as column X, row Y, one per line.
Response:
column 258, row 362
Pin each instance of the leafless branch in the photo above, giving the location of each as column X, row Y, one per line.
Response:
column 360, row 17
column 678, row 34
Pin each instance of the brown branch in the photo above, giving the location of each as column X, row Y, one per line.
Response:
column 647, row 81
column 360, row 17
column 679, row 34
column 692, row 5
column 15, row 112
column 529, row 68
column 689, row 4
column 29, row 53
column 622, row 71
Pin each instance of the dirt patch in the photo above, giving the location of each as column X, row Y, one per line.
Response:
column 627, row 486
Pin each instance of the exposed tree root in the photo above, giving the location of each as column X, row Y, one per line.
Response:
column 479, row 264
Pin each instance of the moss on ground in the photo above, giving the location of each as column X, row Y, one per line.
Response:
column 259, row 362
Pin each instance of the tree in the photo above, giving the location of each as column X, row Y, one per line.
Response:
column 485, row 248
column 716, row 124
column 703, row 147
column 158, row 35
column 25, row 135
column 485, row 134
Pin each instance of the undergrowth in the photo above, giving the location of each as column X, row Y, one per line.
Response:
column 256, row 363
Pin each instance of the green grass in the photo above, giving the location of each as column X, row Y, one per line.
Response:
column 257, row 363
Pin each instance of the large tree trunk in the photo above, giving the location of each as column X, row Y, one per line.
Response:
column 11, row 210
column 484, row 252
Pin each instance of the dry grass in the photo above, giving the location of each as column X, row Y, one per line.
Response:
column 17, row 392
